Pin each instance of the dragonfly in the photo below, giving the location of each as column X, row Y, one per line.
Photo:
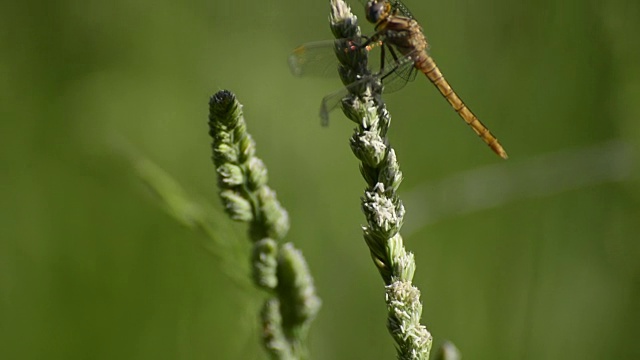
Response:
column 403, row 48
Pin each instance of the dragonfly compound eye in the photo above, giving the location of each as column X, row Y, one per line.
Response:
column 377, row 10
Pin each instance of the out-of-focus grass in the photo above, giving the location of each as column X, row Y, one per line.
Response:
column 91, row 267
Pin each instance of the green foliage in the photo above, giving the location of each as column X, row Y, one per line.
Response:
column 281, row 270
column 90, row 267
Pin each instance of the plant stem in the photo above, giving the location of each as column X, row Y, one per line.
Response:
column 279, row 269
column 381, row 205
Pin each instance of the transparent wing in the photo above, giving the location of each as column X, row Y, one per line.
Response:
column 320, row 58
column 314, row 59
column 401, row 7
column 398, row 71
column 399, row 78
column 395, row 5
column 331, row 101
column 394, row 76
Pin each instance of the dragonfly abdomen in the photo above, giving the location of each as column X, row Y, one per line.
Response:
column 427, row 65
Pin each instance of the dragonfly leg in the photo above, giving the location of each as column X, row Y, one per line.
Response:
column 393, row 53
column 369, row 40
column 372, row 41
column 396, row 65
column 383, row 57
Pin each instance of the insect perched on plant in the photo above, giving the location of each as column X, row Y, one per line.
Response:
column 403, row 54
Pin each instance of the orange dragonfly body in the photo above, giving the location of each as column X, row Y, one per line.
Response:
column 405, row 34
column 397, row 30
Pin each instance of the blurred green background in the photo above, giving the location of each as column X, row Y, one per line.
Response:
column 536, row 257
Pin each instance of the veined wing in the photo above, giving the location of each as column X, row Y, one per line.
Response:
column 393, row 77
column 401, row 7
column 319, row 59
column 314, row 59
column 395, row 5
column 398, row 71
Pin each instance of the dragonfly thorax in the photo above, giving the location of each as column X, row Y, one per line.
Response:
column 377, row 10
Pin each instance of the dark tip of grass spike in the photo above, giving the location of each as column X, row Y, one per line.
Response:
column 221, row 105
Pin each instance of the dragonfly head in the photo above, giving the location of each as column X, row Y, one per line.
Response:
column 377, row 10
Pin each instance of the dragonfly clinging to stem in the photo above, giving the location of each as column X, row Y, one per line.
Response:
column 404, row 48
